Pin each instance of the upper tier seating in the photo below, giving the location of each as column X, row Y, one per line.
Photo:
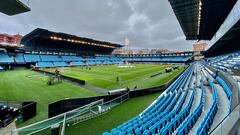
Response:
column 225, row 62
column 4, row 58
column 32, row 58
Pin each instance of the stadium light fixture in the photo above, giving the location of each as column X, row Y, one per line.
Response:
column 199, row 16
column 80, row 42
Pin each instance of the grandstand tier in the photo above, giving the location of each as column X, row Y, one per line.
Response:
column 44, row 40
column 46, row 61
column 5, row 58
column 179, row 110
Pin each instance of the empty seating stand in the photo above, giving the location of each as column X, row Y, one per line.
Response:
column 225, row 87
column 44, row 65
column 32, row 58
column 225, row 62
column 173, row 112
column 19, row 58
column 166, row 59
column 80, row 63
column 208, row 119
column 50, row 58
column 60, row 64
column 5, row 58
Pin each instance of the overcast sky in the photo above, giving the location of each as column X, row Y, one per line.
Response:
column 145, row 23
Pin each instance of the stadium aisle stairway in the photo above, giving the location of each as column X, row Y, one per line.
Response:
column 208, row 119
column 196, row 109
column 222, row 86
column 206, row 98
column 224, row 102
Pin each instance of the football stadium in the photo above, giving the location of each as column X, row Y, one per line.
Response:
column 59, row 83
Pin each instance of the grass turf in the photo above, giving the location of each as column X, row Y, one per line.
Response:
column 114, row 117
column 105, row 76
column 15, row 86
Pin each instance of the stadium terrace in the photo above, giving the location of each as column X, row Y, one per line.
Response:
column 57, row 83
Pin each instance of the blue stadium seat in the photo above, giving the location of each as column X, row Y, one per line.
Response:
column 4, row 58
column 19, row 58
column 50, row 58
column 44, row 65
column 60, row 64
column 32, row 58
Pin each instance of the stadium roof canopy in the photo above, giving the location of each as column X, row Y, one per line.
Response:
column 200, row 19
column 13, row 7
column 44, row 40
column 227, row 38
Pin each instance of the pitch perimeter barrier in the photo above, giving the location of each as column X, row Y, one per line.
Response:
column 29, row 110
column 78, row 81
column 65, row 105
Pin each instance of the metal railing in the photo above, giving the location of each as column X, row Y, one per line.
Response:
column 72, row 117
column 225, row 126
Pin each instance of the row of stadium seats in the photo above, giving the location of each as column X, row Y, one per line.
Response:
column 158, row 59
column 57, row 61
column 225, row 62
column 29, row 58
column 226, row 89
column 24, row 58
column 174, row 111
column 187, row 125
column 208, row 119
column 7, row 114
column 80, row 63
column 4, row 58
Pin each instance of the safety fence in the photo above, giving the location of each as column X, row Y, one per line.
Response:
column 59, row 122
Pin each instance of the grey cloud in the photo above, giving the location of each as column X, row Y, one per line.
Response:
column 147, row 24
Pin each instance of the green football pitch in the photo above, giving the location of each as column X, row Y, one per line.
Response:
column 16, row 86
column 106, row 76
column 27, row 85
